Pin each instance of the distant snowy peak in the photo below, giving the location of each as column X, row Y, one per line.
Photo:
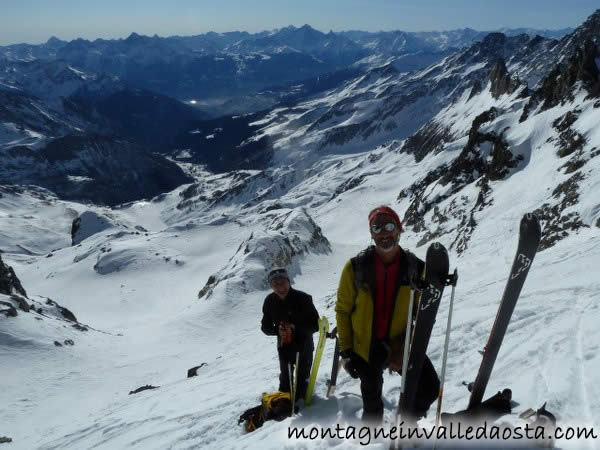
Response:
column 29, row 52
column 52, row 80
column 305, row 39
column 238, row 62
column 542, row 55
column 590, row 29
column 384, row 104
column 401, row 42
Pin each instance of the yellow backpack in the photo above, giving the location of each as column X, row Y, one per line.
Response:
column 274, row 406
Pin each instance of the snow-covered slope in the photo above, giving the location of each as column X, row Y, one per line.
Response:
column 143, row 285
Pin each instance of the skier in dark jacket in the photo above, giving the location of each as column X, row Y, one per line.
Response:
column 291, row 316
column 372, row 314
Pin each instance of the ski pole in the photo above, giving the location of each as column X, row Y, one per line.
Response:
column 406, row 351
column 446, row 344
column 295, row 384
column 291, row 376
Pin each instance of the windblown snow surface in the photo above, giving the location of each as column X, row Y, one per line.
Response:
column 135, row 283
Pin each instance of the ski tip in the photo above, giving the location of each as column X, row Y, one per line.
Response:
column 437, row 247
column 530, row 223
column 530, row 218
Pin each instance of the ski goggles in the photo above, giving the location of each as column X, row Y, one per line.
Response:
column 388, row 227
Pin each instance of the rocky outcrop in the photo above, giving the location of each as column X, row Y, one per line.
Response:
column 226, row 187
column 143, row 388
column 429, row 139
column 347, row 185
column 13, row 298
column 558, row 86
column 64, row 312
column 9, row 283
column 486, row 153
column 476, row 89
column 287, row 237
column 569, row 140
column 556, row 222
column 87, row 224
column 485, row 158
column 501, row 81
column 419, row 206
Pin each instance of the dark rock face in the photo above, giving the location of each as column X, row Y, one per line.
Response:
column 569, row 140
column 9, row 283
column 415, row 214
column 429, row 139
column 87, row 224
column 143, row 388
column 556, row 224
column 476, row 89
column 557, row 87
column 501, row 81
column 350, row 183
column 192, row 372
column 64, row 311
column 485, row 158
column 471, row 163
column 9, row 311
column 101, row 169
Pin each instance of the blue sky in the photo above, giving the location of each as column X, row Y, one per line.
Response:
column 34, row 21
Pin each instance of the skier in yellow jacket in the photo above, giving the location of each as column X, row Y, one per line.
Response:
column 372, row 311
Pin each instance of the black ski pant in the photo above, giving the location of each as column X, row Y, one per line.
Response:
column 371, row 386
column 304, row 366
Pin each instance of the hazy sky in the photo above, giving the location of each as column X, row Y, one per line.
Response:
column 34, row 21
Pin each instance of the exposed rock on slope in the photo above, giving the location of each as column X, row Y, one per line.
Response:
column 9, row 283
column 287, row 237
column 87, row 224
column 13, row 298
column 558, row 86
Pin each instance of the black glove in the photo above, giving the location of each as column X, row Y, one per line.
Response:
column 351, row 363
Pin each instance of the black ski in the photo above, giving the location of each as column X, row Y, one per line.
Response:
column 335, row 366
column 436, row 277
column 529, row 239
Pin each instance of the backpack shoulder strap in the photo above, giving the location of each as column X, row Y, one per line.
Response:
column 359, row 267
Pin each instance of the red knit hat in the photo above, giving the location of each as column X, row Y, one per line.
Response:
column 387, row 211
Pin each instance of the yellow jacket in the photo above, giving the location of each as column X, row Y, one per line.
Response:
column 355, row 302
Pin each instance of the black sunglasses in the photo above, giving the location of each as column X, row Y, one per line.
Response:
column 376, row 229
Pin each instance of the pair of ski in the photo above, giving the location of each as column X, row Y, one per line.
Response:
column 436, row 270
